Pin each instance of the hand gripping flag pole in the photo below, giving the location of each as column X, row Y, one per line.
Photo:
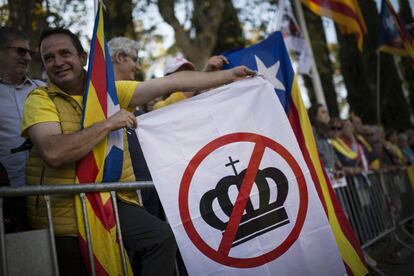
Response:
column 97, row 221
column 270, row 58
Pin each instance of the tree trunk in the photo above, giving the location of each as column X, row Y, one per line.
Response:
column 118, row 19
column 198, row 42
column 230, row 32
column 323, row 63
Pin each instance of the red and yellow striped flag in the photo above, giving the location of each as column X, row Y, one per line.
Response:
column 346, row 13
column 104, row 162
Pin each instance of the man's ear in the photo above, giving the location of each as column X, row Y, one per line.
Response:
column 84, row 58
column 118, row 58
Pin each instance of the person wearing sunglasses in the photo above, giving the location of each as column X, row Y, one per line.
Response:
column 15, row 55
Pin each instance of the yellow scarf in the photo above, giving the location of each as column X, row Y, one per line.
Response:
column 343, row 148
column 361, row 139
column 396, row 150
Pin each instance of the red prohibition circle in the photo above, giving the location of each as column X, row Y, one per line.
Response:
column 189, row 227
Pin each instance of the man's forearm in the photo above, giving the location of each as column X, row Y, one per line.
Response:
column 189, row 81
column 58, row 149
column 61, row 149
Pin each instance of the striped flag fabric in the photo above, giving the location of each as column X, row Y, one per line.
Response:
column 104, row 162
column 346, row 13
column 393, row 37
column 271, row 60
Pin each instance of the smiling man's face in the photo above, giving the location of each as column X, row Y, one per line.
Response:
column 62, row 62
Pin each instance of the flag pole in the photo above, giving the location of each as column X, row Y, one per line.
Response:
column 405, row 89
column 280, row 9
column 316, row 80
column 378, row 87
column 95, row 7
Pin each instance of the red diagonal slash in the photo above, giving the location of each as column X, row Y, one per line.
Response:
column 241, row 201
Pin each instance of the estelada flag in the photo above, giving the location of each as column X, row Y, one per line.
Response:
column 346, row 13
column 235, row 187
column 270, row 59
column 393, row 37
column 103, row 163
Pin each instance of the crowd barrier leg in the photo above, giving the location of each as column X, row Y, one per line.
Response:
column 118, row 230
column 404, row 229
column 408, row 204
column 88, row 233
column 51, row 236
column 399, row 240
column 394, row 190
column 378, row 271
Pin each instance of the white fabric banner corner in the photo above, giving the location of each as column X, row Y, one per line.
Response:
column 235, row 188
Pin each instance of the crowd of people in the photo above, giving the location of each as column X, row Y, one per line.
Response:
column 349, row 147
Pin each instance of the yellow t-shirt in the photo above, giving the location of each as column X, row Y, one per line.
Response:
column 173, row 98
column 39, row 107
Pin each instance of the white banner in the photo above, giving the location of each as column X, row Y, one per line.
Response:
column 294, row 39
column 235, row 188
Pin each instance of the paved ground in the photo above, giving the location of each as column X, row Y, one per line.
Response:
column 400, row 264
column 405, row 267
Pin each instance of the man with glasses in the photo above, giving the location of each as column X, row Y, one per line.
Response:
column 124, row 55
column 15, row 55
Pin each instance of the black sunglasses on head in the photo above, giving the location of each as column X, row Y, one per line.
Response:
column 21, row 51
column 336, row 128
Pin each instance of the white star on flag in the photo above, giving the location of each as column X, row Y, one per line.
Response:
column 115, row 138
column 389, row 22
column 270, row 73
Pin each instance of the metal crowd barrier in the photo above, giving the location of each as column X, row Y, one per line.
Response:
column 378, row 205
column 46, row 191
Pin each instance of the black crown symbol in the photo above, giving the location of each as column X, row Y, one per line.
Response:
column 255, row 222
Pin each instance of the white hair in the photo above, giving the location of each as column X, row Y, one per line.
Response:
column 122, row 45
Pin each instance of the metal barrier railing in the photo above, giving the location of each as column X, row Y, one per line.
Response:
column 377, row 205
column 46, row 191
column 401, row 201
